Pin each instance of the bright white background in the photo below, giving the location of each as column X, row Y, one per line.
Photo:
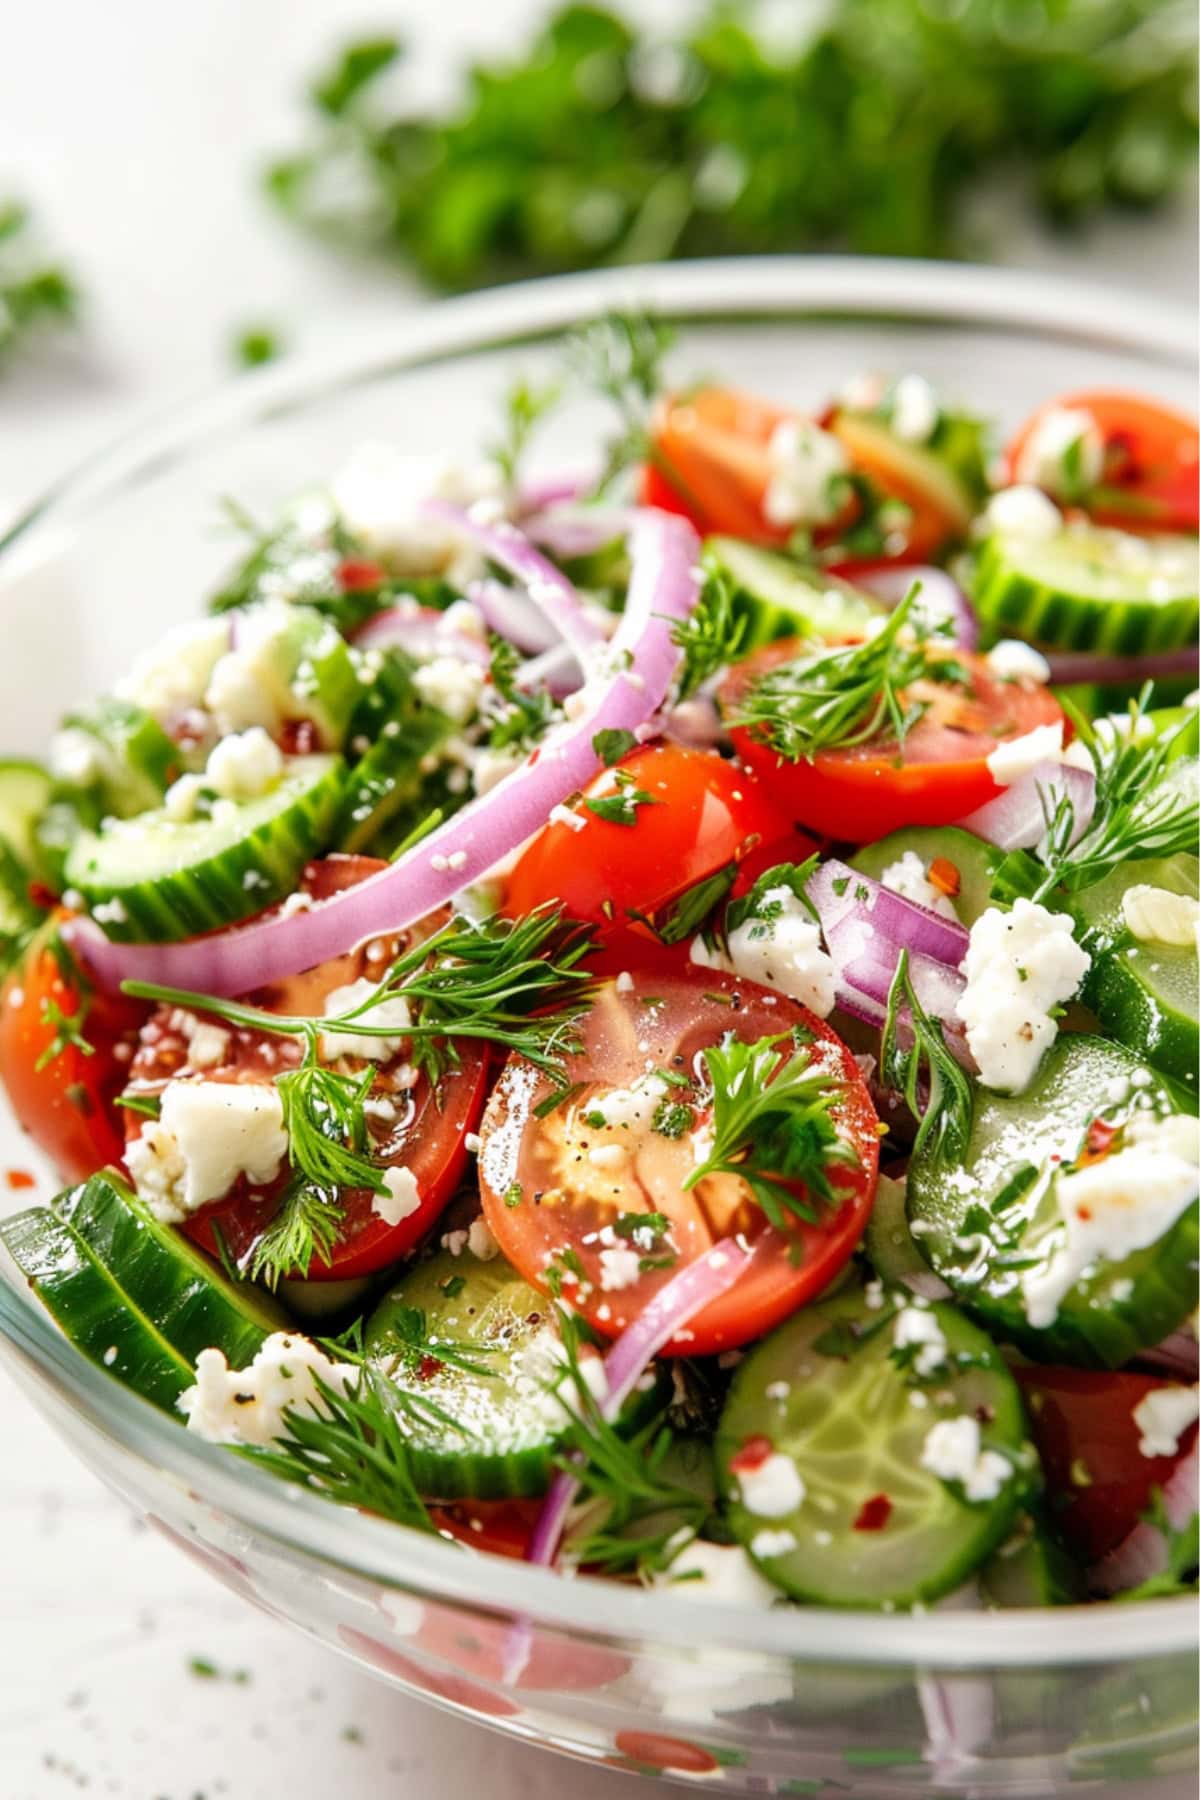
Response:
column 135, row 126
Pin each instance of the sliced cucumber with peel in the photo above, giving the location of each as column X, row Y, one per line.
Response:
column 157, row 879
column 890, row 1246
column 985, row 1224
column 975, row 861
column 781, row 597
column 826, row 1392
column 1090, row 588
column 25, row 790
column 137, row 760
column 388, row 779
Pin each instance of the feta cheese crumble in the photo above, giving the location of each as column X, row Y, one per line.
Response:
column 914, row 1326
column 909, row 878
column 173, row 675
column 1018, row 966
column 1064, row 453
column 382, row 496
column 207, row 1135
column 778, row 947
column 247, row 1406
column 1155, row 916
column 804, row 464
column 1163, row 1415
column 1024, row 512
column 402, row 1200
column 620, row 1267
column 915, row 409
column 953, row 1452
column 453, row 685
column 707, row 1571
column 393, row 1013
column 773, row 1488
column 244, row 765
column 1012, row 660
column 1122, row 1203
column 1015, row 757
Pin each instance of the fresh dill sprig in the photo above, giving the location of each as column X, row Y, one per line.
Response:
column 326, row 1125
column 946, row 1109
column 835, row 698
column 620, row 357
column 67, row 1028
column 771, row 1124
column 527, row 713
column 304, row 1229
column 713, row 634
column 1140, row 809
column 353, row 1450
column 406, row 1344
column 525, row 406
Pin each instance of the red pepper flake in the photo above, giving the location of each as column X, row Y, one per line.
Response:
column 428, row 1367
column 357, row 574
column 874, row 1513
column 1099, row 1141
column 42, row 896
column 945, row 877
column 299, row 737
column 19, row 1178
column 752, row 1455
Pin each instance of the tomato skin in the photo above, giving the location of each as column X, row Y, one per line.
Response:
column 564, row 1201
column 1082, row 1423
column 1152, row 459
column 68, row 1107
column 709, row 812
column 860, row 793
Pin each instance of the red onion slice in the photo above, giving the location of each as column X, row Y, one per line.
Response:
column 866, row 961
column 1144, row 1552
column 959, row 1710
column 940, row 596
column 1177, row 1355
column 541, row 491
column 839, row 892
column 1016, row 819
column 423, row 631
column 556, row 598
column 627, row 690
column 512, row 615
column 571, row 531
column 1068, row 668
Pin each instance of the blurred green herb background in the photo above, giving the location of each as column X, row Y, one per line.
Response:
column 35, row 292
column 596, row 143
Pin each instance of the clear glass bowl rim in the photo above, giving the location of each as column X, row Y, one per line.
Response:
column 747, row 290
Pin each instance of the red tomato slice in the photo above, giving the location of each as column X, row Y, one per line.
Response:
column 863, row 792
column 939, row 506
column 67, row 1107
column 1151, row 460
column 426, row 1133
column 704, row 812
column 544, row 1196
column 1098, row 1480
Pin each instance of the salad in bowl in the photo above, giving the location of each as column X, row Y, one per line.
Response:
column 644, row 1017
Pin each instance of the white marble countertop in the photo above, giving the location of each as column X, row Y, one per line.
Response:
column 140, row 168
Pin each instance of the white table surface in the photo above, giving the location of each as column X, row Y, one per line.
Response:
column 134, row 126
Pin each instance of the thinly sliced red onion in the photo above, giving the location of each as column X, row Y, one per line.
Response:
column 866, row 961
column 1144, row 1552
column 1178, row 1355
column 556, row 669
column 423, row 631
column 627, row 689
column 839, row 892
column 556, row 598
column 940, row 596
column 959, row 1710
column 541, row 491
column 662, row 1319
column 695, row 722
column 512, row 615
column 571, row 531
column 1017, row 818
column 1068, row 668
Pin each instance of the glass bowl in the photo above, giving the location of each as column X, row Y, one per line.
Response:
column 796, row 1701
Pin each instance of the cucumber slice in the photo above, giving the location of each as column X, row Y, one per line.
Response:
column 159, row 879
column 1001, row 1195
column 310, row 672
column 784, row 598
column 25, row 791
column 827, row 1394
column 890, row 1246
column 91, row 1307
column 975, row 861
column 137, row 760
column 388, row 779
column 1145, row 995
column 1030, row 1569
column 486, row 1436
column 187, row 1298
column 1090, row 588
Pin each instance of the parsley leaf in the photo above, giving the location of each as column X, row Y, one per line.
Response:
column 611, row 745
column 620, row 806
column 714, row 633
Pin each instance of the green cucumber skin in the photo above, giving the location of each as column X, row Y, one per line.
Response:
column 975, row 861
column 330, row 689
column 890, row 1247
column 1099, row 1324
column 182, row 897
column 145, row 761
column 388, row 778
column 92, row 1309
column 1010, row 601
column 781, row 598
column 25, row 790
column 190, row 1301
column 1032, row 1572
column 851, row 1427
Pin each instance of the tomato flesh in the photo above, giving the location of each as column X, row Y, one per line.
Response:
column 862, row 792
column 1098, row 1481
column 1151, row 475
column 704, row 812
column 550, row 1188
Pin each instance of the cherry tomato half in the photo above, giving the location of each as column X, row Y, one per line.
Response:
column 701, row 813
column 66, row 1106
column 1098, row 1480
column 866, row 790
column 551, row 1185
column 421, row 1132
column 1151, row 460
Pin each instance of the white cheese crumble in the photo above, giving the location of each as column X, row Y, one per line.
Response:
column 247, row 1406
column 78, row 758
column 772, row 1543
column 1013, row 660
column 566, row 815
column 453, row 685
column 1018, row 966
column 393, row 1013
column 779, row 948
column 173, row 675
column 724, row 1572
column 490, row 767
column 915, row 409
column 381, row 497
column 773, row 1489
column 207, row 1044
column 1064, row 453
column 953, row 1452
column 207, row 1135
column 1014, row 757
column 1024, row 511
column 1122, row 1203
column 1156, row 916
column 804, row 463
column 915, row 1326
column 244, row 765
column 1163, row 1415
column 402, row 1200
column 628, row 1109
column 247, row 686
column 620, row 1267
column 909, row 878
column 480, row 1241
